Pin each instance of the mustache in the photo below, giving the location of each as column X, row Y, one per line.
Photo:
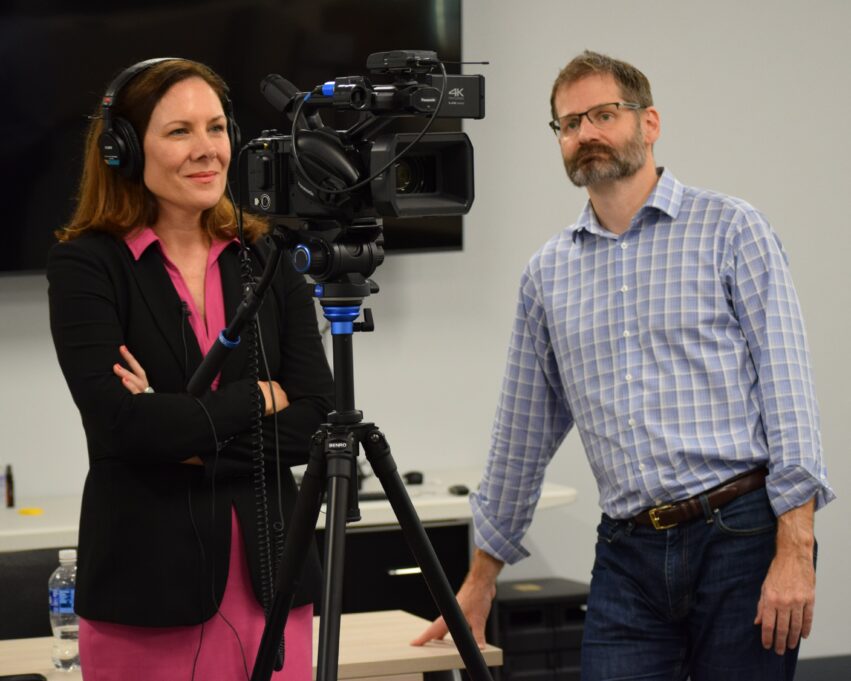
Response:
column 588, row 150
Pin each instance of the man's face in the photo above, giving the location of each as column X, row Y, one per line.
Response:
column 593, row 156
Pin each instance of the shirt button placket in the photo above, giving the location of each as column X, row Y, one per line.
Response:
column 628, row 322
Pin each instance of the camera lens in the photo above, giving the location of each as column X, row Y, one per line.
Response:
column 409, row 176
column 416, row 175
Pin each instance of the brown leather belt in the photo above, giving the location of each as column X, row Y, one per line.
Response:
column 670, row 515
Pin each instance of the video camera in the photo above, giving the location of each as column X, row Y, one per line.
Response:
column 358, row 175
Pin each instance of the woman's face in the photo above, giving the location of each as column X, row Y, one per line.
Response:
column 187, row 150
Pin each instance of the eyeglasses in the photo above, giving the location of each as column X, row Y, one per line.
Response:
column 602, row 117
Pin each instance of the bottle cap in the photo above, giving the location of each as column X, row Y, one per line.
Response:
column 67, row 555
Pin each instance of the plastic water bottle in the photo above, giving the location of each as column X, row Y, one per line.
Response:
column 63, row 621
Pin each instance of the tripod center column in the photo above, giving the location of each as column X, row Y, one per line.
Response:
column 342, row 319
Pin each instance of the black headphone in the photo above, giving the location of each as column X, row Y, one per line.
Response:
column 119, row 144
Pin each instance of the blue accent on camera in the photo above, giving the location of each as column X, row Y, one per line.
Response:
column 341, row 318
column 228, row 343
column 328, row 88
column 319, row 290
column 301, row 248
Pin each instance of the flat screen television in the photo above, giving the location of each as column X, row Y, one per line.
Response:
column 58, row 57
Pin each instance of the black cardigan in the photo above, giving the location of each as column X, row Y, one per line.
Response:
column 154, row 533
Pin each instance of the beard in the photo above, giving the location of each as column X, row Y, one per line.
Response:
column 596, row 163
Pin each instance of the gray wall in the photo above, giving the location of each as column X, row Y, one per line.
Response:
column 755, row 102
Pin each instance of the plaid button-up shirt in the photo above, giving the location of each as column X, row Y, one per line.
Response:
column 677, row 349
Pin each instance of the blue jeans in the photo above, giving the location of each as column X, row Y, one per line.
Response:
column 667, row 605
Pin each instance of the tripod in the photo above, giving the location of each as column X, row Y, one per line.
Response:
column 332, row 467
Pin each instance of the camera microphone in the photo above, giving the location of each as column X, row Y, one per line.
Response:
column 278, row 91
column 283, row 96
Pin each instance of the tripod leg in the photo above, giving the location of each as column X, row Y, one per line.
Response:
column 340, row 452
column 379, row 456
column 296, row 545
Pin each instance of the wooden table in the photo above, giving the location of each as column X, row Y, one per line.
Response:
column 373, row 645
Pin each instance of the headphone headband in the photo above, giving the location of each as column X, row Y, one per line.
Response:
column 129, row 74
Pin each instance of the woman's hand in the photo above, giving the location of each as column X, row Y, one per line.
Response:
column 134, row 379
column 136, row 382
column 269, row 389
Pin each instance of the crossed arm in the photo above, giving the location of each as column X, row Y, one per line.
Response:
column 135, row 380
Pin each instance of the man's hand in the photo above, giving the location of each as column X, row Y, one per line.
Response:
column 785, row 608
column 475, row 597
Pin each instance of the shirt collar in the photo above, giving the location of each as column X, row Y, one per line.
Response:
column 139, row 240
column 666, row 198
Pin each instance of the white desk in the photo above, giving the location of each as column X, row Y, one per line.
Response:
column 373, row 645
column 57, row 525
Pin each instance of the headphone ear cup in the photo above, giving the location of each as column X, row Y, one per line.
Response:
column 112, row 148
column 325, row 154
column 131, row 156
column 234, row 136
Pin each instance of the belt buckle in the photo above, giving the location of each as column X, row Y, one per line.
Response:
column 654, row 517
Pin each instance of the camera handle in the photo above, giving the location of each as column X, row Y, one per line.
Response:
column 332, row 467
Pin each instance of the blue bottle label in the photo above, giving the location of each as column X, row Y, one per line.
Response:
column 62, row 601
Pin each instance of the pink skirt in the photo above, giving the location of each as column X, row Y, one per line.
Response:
column 116, row 652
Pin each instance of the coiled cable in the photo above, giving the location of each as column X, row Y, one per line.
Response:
column 258, row 465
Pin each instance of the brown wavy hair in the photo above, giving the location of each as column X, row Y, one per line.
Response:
column 634, row 85
column 109, row 202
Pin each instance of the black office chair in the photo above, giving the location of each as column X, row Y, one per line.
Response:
column 23, row 592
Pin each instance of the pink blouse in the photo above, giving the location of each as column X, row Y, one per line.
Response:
column 206, row 329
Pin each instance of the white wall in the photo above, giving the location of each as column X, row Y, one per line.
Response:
column 755, row 102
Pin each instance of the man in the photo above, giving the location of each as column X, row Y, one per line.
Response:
column 665, row 326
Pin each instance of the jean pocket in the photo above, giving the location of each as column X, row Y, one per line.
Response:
column 747, row 516
column 609, row 530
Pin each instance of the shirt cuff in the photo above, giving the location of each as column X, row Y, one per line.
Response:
column 489, row 538
column 794, row 486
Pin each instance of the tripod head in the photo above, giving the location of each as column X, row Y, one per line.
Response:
column 339, row 257
column 328, row 250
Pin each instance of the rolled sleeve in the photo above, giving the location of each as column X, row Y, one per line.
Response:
column 793, row 486
column 767, row 306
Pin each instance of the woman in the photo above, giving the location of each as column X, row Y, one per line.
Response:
column 173, row 563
